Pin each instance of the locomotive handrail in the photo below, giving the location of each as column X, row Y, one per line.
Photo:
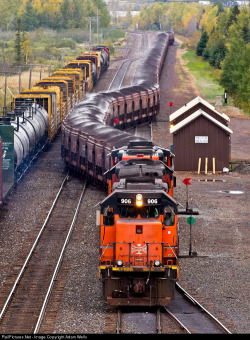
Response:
column 171, row 249
column 147, row 247
column 113, row 246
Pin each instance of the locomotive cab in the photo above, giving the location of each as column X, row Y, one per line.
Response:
column 139, row 245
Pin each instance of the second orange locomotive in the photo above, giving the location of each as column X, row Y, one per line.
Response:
column 139, row 229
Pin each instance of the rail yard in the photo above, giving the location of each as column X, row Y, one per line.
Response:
column 217, row 277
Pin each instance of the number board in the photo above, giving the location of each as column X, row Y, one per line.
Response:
column 125, row 201
column 153, row 201
column 131, row 201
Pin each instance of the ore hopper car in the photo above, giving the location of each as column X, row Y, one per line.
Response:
column 90, row 131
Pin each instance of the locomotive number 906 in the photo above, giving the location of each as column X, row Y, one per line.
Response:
column 126, row 201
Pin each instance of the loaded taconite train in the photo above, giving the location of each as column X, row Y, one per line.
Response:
column 94, row 126
column 138, row 219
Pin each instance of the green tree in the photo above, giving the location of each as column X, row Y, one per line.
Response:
column 206, row 53
column 236, row 65
column 29, row 18
column 220, row 7
column 246, row 32
column 236, row 69
column 3, row 46
column 234, row 12
column 18, row 44
column 217, row 53
column 202, row 43
column 8, row 13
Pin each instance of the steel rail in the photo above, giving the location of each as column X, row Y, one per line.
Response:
column 158, row 321
column 115, row 76
column 202, row 308
column 32, row 249
column 128, row 61
column 58, row 264
column 177, row 320
column 118, row 327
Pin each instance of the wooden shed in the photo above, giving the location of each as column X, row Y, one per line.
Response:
column 200, row 136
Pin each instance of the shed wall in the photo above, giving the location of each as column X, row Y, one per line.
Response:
column 187, row 152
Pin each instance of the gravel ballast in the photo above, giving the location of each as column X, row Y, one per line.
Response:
column 218, row 277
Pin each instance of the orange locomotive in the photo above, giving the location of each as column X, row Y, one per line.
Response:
column 139, row 229
column 141, row 150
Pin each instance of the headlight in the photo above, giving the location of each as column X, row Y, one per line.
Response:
column 157, row 263
column 138, row 200
column 119, row 263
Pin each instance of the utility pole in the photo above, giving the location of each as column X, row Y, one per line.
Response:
column 90, row 30
column 97, row 26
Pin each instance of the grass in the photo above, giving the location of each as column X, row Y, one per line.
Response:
column 207, row 78
column 44, row 44
column 13, row 84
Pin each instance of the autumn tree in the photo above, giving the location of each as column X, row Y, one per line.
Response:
column 52, row 14
column 8, row 14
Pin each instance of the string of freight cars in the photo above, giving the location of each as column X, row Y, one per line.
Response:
column 36, row 114
column 96, row 125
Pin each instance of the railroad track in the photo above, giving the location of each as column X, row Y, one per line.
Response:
column 142, row 130
column 182, row 315
column 139, row 322
column 23, row 309
column 191, row 316
column 121, row 72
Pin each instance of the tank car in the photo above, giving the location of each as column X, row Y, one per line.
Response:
column 30, row 122
column 138, row 234
column 105, row 56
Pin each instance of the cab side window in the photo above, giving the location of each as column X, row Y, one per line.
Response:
column 168, row 216
column 108, row 216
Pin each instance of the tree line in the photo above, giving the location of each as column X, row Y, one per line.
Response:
column 219, row 35
column 54, row 14
column 226, row 46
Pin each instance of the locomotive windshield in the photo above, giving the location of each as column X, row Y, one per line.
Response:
column 134, row 212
